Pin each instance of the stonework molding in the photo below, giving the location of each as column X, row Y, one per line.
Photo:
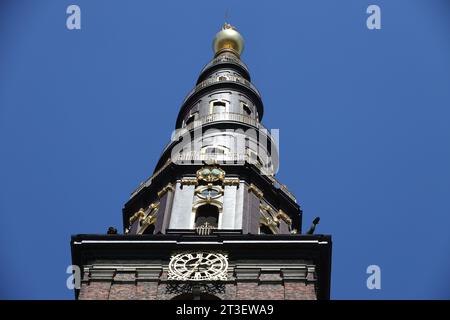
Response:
column 101, row 274
column 125, row 277
column 311, row 276
column 85, row 278
column 150, row 274
column 295, row 274
column 215, row 202
column 247, row 274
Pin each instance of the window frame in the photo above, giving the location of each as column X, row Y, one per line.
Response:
column 226, row 106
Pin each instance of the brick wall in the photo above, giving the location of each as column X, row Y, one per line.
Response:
column 243, row 284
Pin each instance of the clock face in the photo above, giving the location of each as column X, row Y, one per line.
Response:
column 198, row 266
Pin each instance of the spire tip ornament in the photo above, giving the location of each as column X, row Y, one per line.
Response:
column 228, row 39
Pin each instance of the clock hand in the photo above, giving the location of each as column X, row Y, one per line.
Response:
column 193, row 269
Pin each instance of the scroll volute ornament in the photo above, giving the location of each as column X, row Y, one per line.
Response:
column 163, row 191
column 150, row 218
column 137, row 215
column 283, row 216
column 141, row 213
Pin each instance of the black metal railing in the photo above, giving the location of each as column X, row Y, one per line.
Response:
column 226, row 59
column 231, row 79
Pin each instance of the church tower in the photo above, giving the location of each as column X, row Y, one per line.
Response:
column 212, row 222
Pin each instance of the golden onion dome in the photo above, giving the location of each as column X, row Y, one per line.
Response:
column 228, row 39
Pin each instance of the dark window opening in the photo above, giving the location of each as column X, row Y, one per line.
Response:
column 246, row 109
column 219, row 104
column 149, row 230
column 213, row 150
column 191, row 118
column 207, row 214
column 263, row 229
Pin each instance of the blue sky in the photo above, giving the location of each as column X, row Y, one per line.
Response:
column 363, row 117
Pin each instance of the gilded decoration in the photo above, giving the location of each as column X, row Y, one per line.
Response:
column 210, row 174
column 164, row 190
column 283, row 216
column 255, row 190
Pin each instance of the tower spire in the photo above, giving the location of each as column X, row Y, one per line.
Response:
column 212, row 221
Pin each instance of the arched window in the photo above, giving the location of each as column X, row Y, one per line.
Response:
column 207, row 214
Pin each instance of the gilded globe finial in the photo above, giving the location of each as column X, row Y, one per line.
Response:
column 228, row 39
